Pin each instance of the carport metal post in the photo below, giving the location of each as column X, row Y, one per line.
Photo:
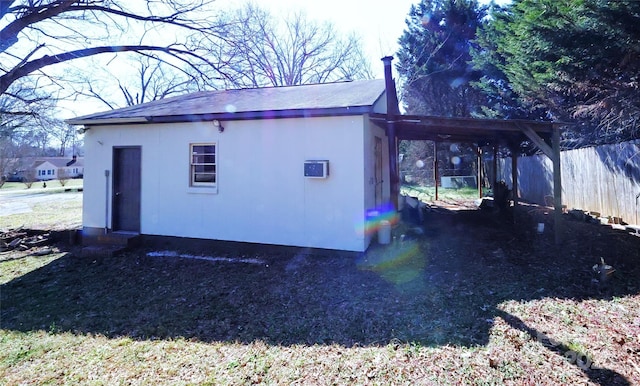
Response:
column 435, row 167
column 514, row 179
column 557, row 185
column 495, row 169
column 479, row 171
column 393, row 163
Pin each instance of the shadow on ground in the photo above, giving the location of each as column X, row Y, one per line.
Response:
column 440, row 284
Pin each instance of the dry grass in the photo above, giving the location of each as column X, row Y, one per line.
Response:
column 47, row 211
column 427, row 193
column 64, row 214
column 457, row 305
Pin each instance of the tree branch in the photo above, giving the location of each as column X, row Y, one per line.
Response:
column 34, row 14
column 27, row 68
column 9, row 34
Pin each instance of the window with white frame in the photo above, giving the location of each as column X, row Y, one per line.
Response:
column 203, row 164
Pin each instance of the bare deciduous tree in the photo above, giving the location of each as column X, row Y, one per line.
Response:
column 29, row 177
column 50, row 32
column 6, row 158
column 261, row 49
column 62, row 176
column 21, row 105
column 63, row 134
column 13, row 158
column 144, row 79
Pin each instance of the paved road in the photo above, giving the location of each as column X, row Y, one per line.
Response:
column 16, row 202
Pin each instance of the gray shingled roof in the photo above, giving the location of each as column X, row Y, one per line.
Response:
column 59, row 162
column 354, row 97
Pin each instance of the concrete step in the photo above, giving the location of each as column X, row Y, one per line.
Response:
column 102, row 251
column 121, row 239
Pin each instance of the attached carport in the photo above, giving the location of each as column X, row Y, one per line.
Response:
column 495, row 133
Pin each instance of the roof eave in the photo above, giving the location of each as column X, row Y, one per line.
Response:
column 105, row 121
column 228, row 116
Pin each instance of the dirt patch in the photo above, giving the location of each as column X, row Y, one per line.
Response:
column 477, row 242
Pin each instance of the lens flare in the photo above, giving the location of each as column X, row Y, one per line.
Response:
column 374, row 217
column 400, row 263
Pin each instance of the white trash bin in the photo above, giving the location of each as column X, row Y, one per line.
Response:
column 384, row 232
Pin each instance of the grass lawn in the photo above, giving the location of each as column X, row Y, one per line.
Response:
column 44, row 209
column 428, row 193
column 53, row 186
column 65, row 214
column 453, row 305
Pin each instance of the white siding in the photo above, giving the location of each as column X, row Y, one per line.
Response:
column 262, row 194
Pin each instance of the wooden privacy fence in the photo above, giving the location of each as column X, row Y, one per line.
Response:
column 603, row 179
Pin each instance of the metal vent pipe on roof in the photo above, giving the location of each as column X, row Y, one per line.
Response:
column 392, row 112
column 390, row 87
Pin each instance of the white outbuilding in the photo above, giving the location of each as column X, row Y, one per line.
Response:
column 297, row 166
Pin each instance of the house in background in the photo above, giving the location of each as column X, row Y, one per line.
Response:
column 50, row 168
column 44, row 168
column 296, row 166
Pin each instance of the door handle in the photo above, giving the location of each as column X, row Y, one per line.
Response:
column 117, row 194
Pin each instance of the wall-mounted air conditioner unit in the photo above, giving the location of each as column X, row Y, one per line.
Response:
column 316, row 169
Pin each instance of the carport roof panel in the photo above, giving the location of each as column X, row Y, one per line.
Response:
column 433, row 128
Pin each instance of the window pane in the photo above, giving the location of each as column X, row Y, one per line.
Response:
column 204, row 168
column 204, row 149
column 209, row 159
column 203, row 158
column 210, row 178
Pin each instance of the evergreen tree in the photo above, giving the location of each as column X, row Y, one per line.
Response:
column 502, row 101
column 434, row 58
column 564, row 60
